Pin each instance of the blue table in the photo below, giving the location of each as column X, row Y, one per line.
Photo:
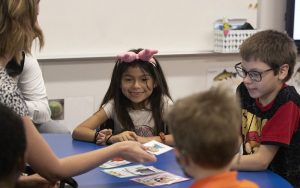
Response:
column 63, row 145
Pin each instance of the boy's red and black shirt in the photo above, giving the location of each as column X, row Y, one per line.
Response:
column 276, row 124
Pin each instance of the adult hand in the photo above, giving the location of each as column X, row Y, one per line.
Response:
column 135, row 152
column 124, row 136
column 35, row 180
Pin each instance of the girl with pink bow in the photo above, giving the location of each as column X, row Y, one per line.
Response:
column 136, row 103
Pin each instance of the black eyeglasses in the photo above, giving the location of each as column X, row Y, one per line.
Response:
column 253, row 75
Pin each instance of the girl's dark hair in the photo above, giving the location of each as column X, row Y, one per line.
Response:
column 12, row 141
column 122, row 103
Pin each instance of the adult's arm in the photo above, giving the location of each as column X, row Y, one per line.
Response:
column 44, row 161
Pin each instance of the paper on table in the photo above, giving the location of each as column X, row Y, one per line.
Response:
column 157, row 148
column 115, row 162
column 131, row 171
column 165, row 178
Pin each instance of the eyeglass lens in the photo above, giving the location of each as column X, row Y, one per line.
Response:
column 254, row 75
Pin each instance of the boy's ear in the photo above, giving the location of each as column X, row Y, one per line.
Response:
column 177, row 153
column 182, row 159
column 283, row 71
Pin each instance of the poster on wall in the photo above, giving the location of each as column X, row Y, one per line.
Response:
column 57, row 109
column 225, row 76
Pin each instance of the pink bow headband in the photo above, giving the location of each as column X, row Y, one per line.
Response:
column 144, row 55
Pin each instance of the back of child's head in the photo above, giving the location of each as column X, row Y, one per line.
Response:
column 206, row 127
column 271, row 47
column 12, row 143
column 149, row 65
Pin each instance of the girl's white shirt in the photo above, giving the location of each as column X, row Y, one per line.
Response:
column 140, row 118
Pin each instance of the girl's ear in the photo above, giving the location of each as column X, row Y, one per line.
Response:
column 283, row 71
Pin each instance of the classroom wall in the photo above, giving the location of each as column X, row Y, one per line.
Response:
column 83, row 82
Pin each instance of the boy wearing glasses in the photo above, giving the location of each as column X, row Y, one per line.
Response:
column 270, row 108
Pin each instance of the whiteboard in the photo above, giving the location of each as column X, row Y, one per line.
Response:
column 102, row 28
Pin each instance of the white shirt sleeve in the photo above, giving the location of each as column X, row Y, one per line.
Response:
column 167, row 104
column 32, row 86
column 109, row 109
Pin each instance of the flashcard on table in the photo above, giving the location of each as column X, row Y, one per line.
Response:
column 131, row 171
column 165, row 178
column 157, row 148
column 115, row 162
column 141, row 170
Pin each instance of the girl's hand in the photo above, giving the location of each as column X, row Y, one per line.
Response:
column 103, row 135
column 134, row 152
column 143, row 140
column 125, row 136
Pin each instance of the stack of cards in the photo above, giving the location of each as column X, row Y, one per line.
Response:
column 151, row 176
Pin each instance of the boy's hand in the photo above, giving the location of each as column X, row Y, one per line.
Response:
column 251, row 148
column 134, row 152
column 103, row 135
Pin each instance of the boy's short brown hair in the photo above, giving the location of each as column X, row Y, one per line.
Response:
column 272, row 47
column 206, row 127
